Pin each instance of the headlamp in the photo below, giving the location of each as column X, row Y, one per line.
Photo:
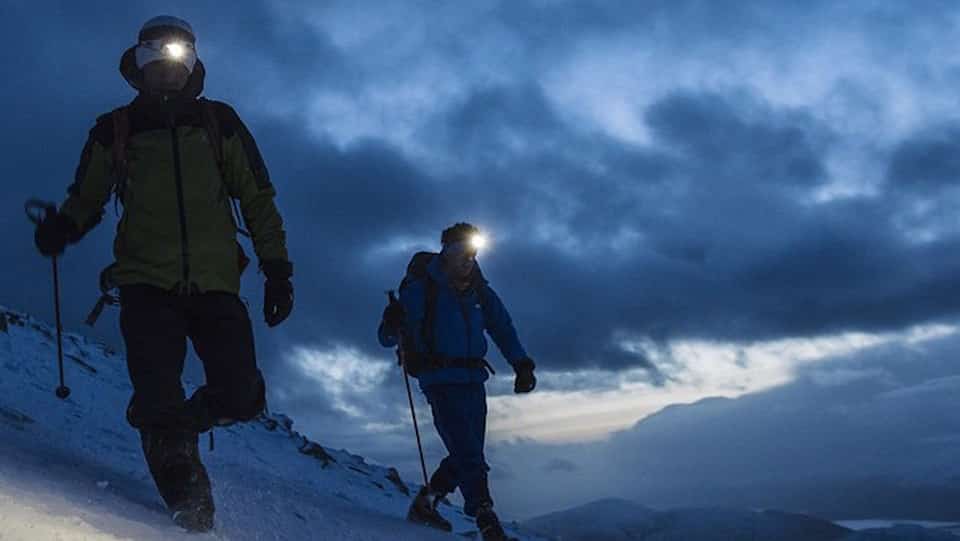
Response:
column 179, row 51
column 175, row 50
column 478, row 242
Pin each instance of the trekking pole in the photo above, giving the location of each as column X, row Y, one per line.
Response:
column 413, row 411
column 36, row 211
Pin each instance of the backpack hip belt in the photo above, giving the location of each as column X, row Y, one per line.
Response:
column 436, row 362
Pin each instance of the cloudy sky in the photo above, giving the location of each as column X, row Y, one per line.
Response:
column 686, row 199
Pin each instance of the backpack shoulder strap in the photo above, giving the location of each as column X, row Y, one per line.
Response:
column 212, row 127
column 120, row 118
column 211, row 124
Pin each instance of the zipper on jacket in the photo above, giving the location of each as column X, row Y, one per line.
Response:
column 178, row 176
column 466, row 320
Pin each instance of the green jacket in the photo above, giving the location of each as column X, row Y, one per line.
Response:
column 177, row 231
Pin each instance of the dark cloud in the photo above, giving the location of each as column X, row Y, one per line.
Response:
column 684, row 23
column 493, row 118
column 927, row 161
column 770, row 148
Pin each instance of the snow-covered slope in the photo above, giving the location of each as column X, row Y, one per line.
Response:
column 73, row 469
column 621, row 520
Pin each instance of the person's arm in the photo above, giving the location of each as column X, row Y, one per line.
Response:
column 388, row 333
column 500, row 327
column 93, row 183
column 386, row 336
column 249, row 181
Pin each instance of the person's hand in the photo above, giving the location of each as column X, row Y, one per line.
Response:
column 393, row 316
column 53, row 233
column 525, row 380
column 277, row 291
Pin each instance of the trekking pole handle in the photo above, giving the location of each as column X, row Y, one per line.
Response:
column 392, row 298
column 37, row 210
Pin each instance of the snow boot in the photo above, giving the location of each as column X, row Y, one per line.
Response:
column 173, row 457
column 489, row 525
column 423, row 511
column 195, row 517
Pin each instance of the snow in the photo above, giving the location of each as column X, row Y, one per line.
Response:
column 73, row 469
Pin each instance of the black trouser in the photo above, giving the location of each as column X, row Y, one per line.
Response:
column 156, row 325
column 460, row 416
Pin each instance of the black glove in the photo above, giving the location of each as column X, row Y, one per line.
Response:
column 393, row 316
column 53, row 233
column 277, row 292
column 525, row 381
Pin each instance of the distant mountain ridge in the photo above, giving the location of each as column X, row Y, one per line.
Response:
column 623, row 520
column 879, row 440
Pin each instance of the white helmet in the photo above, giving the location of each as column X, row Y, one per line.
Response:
column 166, row 38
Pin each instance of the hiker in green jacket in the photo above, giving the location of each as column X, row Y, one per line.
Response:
column 177, row 162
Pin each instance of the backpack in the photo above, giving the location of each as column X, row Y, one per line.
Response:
column 120, row 119
column 417, row 269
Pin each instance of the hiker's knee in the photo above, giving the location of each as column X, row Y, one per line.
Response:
column 237, row 401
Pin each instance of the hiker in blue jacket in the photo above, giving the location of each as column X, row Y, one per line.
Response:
column 445, row 306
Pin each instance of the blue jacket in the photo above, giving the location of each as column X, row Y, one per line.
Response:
column 459, row 323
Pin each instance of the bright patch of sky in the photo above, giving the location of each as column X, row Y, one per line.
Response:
column 397, row 246
column 695, row 370
column 344, row 374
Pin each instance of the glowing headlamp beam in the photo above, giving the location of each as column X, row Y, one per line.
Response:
column 478, row 242
column 175, row 50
